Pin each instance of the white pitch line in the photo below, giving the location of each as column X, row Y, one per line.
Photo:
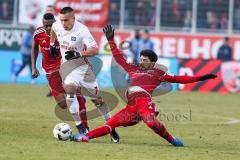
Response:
column 228, row 120
column 233, row 121
column 223, row 120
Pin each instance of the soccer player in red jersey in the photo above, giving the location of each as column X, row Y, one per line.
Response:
column 51, row 65
column 144, row 78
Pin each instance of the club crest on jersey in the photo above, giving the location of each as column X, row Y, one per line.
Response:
column 73, row 38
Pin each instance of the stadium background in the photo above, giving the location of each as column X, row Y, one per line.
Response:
column 186, row 34
column 207, row 123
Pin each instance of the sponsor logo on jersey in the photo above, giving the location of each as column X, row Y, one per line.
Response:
column 73, row 38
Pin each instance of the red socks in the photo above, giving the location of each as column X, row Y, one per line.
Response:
column 164, row 133
column 160, row 129
column 82, row 111
column 99, row 132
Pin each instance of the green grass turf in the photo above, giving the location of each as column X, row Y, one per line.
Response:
column 208, row 124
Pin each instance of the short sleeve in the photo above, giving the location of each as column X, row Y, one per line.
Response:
column 88, row 39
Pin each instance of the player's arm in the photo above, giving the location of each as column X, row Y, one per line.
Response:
column 117, row 53
column 34, row 56
column 92, row 51
column 53, row 36
column 91, row 44
column 187, row 79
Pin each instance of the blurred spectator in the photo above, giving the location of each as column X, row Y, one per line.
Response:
column 212, row 20
column 224, row 21
column 136, row 46
column 140, row 42
column 175, row 13
column 139, row 14
column 143, row 12
column 48, row 9
column 212, row 14
column 237, row 17
column 201, row 13
column 152, row 13
column 114, row 13
column 26, row 52
column 225, row 51
column 188, row 21
column 6, row 10
column 146, row 42
column 172, row 13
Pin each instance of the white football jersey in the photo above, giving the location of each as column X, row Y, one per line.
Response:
column 74, row 39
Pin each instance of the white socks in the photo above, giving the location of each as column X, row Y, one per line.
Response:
column 73, row 107
column 103, row 109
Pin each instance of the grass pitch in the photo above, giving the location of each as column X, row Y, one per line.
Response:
column 208, row 124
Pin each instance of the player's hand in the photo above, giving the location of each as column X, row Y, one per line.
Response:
column 208, row 76
column 53, row 51
column 108, row 31
column 35, row 73
column 72, row 55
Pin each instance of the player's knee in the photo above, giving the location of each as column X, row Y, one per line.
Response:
column 151, row 124
column 61, row 101
column 111, row 124
column 155, row 126
column 98, row 101
column 62, row 105
column 70, row 88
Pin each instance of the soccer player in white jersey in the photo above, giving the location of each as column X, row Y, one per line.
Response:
column 75, row 69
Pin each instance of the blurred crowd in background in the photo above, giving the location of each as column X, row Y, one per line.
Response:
column 208, row 14
column 185, row 15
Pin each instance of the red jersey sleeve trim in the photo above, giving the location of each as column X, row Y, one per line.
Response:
column 38, row 31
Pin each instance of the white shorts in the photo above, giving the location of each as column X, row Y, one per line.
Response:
column 83, row 77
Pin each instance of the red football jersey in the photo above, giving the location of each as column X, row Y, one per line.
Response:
column 42, row 39
column 147, row 79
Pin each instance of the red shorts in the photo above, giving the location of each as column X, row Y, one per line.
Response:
column 55, row 83
column 143, row 109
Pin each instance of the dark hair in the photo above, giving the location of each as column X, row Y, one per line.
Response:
column 226, row 38
column 48, row 16
column 66, row 10
column 150, row 54
column 146, row 31
column 50, row 6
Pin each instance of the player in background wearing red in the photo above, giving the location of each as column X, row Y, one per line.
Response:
column 51, row 65
column 144, row 78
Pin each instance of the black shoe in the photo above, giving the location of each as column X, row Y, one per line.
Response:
column 87, row 130
column 49, row 94
column 114, row 136
column 82, row 129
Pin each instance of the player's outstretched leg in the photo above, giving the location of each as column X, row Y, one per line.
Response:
column 103, row 109
column 150, row 119
column 98, row 132
column 122, row 118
